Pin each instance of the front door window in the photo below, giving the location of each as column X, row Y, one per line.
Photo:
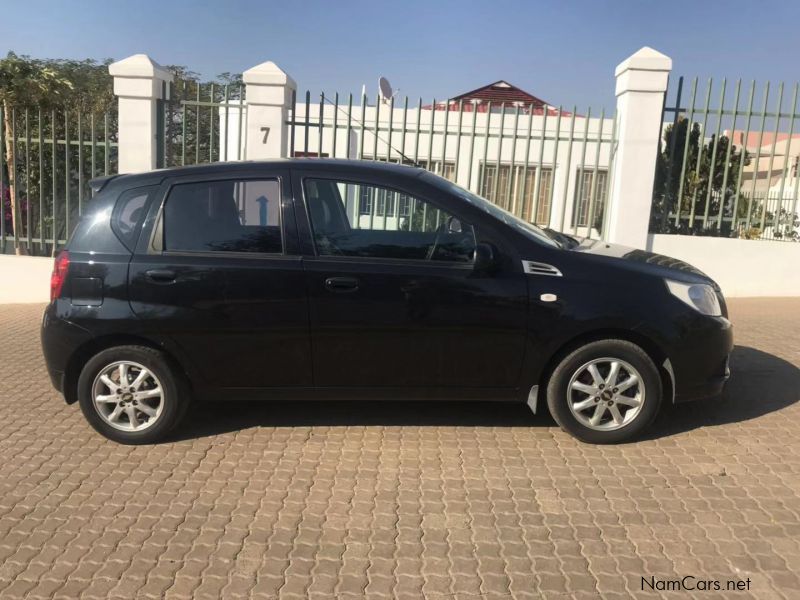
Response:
column 371, row 221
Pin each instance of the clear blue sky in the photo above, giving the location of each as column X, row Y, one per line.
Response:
column 562, row 51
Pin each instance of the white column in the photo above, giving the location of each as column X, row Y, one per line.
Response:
column 641, row 84
column 269, row 98
column 231, row 131
column 139, row 84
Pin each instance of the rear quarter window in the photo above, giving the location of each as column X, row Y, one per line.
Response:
column 129, row 213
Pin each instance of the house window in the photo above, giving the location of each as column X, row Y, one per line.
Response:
column 495, row 184
column 367, row 196
column 404, row 205
column 446, row 170
column 506, row 188
column 530, row 203
column 365, row 200
column 589, row 198
column 385, row 202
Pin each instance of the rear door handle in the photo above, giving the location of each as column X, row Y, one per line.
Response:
column 341, row 284
column 161, row 275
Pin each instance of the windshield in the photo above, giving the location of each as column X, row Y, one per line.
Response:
column 527, row 229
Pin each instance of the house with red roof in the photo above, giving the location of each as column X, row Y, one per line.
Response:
column 499, row 96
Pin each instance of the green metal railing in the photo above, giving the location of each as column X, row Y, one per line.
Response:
column 47, row 157
column 204, row 123
column 536, row 168
column 729, row 169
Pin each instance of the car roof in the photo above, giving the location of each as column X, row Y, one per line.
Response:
column 333, row 164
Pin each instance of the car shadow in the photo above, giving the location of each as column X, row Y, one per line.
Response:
column 760, row 383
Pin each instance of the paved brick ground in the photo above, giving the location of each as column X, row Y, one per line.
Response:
column 402, row 500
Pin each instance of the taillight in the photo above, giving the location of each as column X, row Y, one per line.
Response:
column 59, row 274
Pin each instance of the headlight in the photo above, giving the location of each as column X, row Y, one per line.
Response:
column 699, row 296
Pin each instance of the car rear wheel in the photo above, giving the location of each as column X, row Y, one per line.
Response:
column 605, row 392
column 132, row 394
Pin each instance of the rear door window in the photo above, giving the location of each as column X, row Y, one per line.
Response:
column 224, row 216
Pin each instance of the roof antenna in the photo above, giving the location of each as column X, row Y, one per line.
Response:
column 385, row 95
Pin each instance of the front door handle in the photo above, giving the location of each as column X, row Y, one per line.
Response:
column 161, row 275
column 341, row 284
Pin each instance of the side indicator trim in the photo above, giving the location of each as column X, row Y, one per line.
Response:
column 537, row 268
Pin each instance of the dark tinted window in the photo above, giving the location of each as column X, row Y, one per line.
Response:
column 359, row 219
column 224, row 216
column 129, row 213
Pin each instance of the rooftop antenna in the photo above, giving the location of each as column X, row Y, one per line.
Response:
column 385, row 94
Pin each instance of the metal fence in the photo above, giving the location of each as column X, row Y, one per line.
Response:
column 203, row 123
column 544, row 164
column 47, row 157
column 731, row 168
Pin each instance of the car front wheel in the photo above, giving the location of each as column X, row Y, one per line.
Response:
column 605, row 392
column 131, row 394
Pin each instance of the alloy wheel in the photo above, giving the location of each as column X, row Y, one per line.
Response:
column 606, row 394
column 128, row 396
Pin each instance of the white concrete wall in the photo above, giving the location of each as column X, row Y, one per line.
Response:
column 25, row 279
column 229, row 129
column 741, row 267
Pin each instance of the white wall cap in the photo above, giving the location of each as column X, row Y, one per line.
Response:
column 268, row 73
column 139, row 65
column 645, row 59
column 635, row 80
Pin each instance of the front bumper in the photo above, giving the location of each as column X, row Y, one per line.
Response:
column 701, row 362
column 708, row 389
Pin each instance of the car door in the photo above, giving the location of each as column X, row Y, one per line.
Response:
column 393, row 307
column 218, row 273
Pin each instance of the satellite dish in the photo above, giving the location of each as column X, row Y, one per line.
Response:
column 385, row 88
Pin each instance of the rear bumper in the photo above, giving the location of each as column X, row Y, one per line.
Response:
column 702, row 363
column 60, row 339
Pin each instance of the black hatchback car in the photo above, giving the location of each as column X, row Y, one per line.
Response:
column 331, row 279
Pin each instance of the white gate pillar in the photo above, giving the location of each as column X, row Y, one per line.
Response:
column 641, row 85
column 269, row 98
column 140, row 84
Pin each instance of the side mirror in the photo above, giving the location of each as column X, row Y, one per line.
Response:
column 485, row 258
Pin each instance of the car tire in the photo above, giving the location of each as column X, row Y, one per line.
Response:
column 600, row 403
column 141, row 409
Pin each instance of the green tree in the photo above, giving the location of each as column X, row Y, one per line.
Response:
column 53, row 94
column 24, row 81
column 698, row 181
